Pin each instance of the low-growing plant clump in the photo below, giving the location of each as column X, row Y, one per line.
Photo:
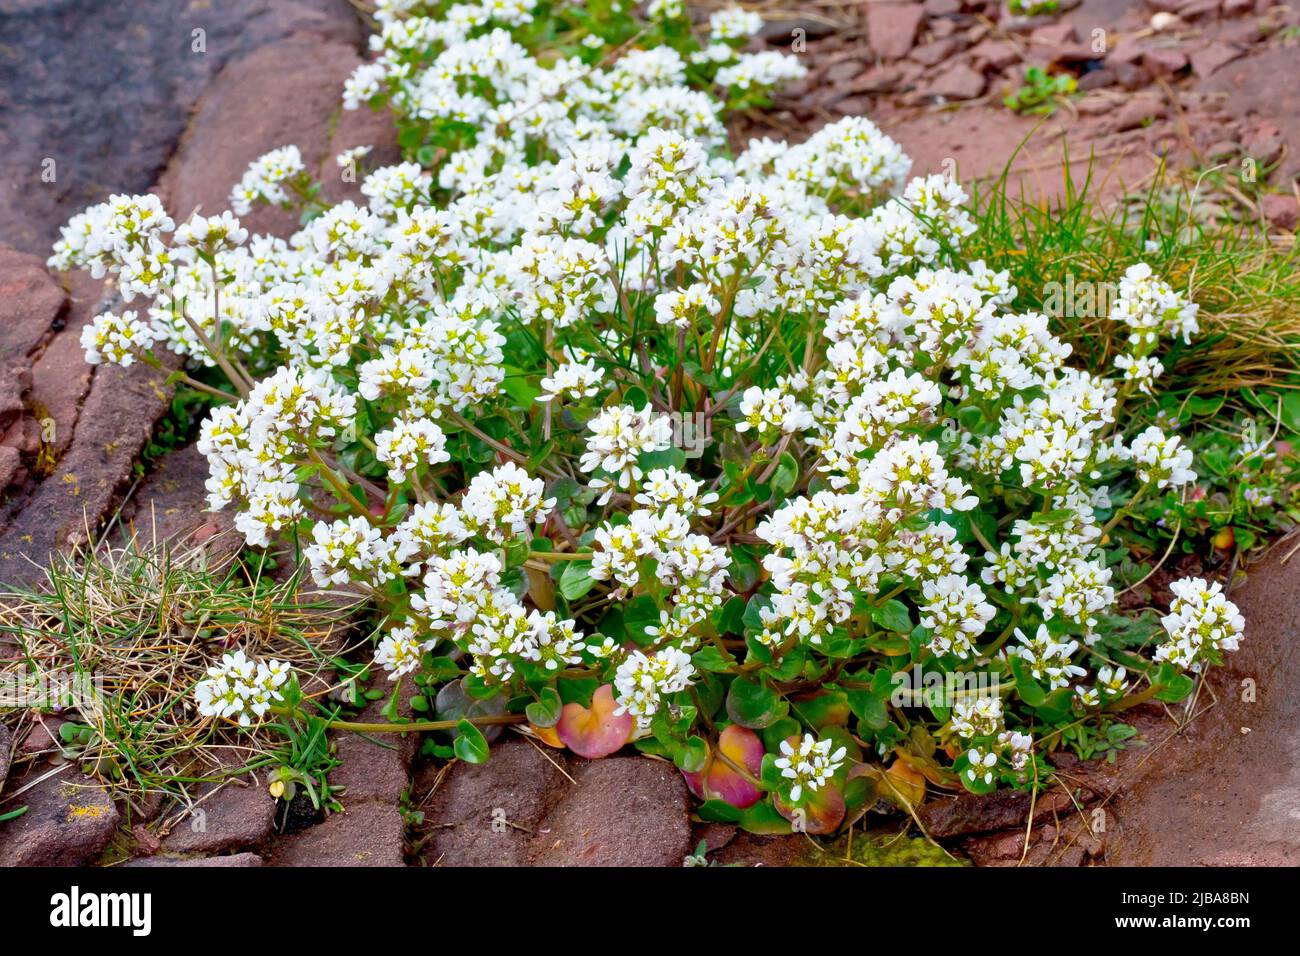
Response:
column 733, row 458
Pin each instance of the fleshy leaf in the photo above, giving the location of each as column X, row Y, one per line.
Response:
column 908, row 784
column 818, row 811
column 718, row 780
column 548, row 736
column 595, row 731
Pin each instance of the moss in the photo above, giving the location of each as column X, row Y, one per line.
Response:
column 877, row 850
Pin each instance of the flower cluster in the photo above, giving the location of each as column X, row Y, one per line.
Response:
column 808, row 763
column 240, row 689
column 642, row 681
column 603, row 409
column 1202, row 623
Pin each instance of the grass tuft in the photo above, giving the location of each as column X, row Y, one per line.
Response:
column 1201, row 233
column 117, row 637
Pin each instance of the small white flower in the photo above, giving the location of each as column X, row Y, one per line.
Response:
column 240, row 688
column 981, row 765
column 809, row 763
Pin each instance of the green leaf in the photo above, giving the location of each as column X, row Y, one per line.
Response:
column 545, row 711
column 1174, row 685
column 576, row 580
column 778, row 731
column 718, row 811
column 827, row 708
column 441, row 669
column 730, row 618
column 470, row 744
column 753, row 705
column 692, row 755
column 752, row 617
column 1290, row 412
column 873, row 711
column 522, row 391
column 745, row 570
column 577, row 690
column 1029, row 690
column 709, row 658
column 894, row 616
column 785, row 477
column 1056, row 707
column 668, row 458
column 638, row 614
column 762, row 818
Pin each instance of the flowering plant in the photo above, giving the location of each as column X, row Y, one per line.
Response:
column 640, row 442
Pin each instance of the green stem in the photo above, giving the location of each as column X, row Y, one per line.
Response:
column 340, row 487
column 416, row 726
column 1118, row 515
column 1133, row 700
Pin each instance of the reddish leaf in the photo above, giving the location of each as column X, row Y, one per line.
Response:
column 721, row 781
column 596, row 731
column 818, row 811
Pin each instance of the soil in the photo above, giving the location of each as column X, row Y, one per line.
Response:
column 1224, row 787
column 1194, row 86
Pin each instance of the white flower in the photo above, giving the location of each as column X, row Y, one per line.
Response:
column 1141, row 371
column 1201, row 624
column 409, row 444
column 1112, row 681
column 981, row 765
column 673, row 488
column 399, row 651
column 772, row 412
column 682, row 307
column 116, row 339
column 211, row 233
column 761, row 70
column 809, row 763
column 1047, row 657
column 577, row 380
column 977, row 717
column 352, row 157
column 641, row 681
column 393, row 188
column 240, row 688
column 1151, row 308
column 1162, row 459
column 956, row 613
column 501, row 503
column 734, row 23
column 1018, row 747
column 264, row 181
column 618, row 435
column 351, row 549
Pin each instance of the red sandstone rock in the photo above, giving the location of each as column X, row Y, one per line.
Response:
column 69, row 821
column 369, row 834
column 892, row 28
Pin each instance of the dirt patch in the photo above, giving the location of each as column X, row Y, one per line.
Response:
column 1188, row 88
column 1225, row 789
